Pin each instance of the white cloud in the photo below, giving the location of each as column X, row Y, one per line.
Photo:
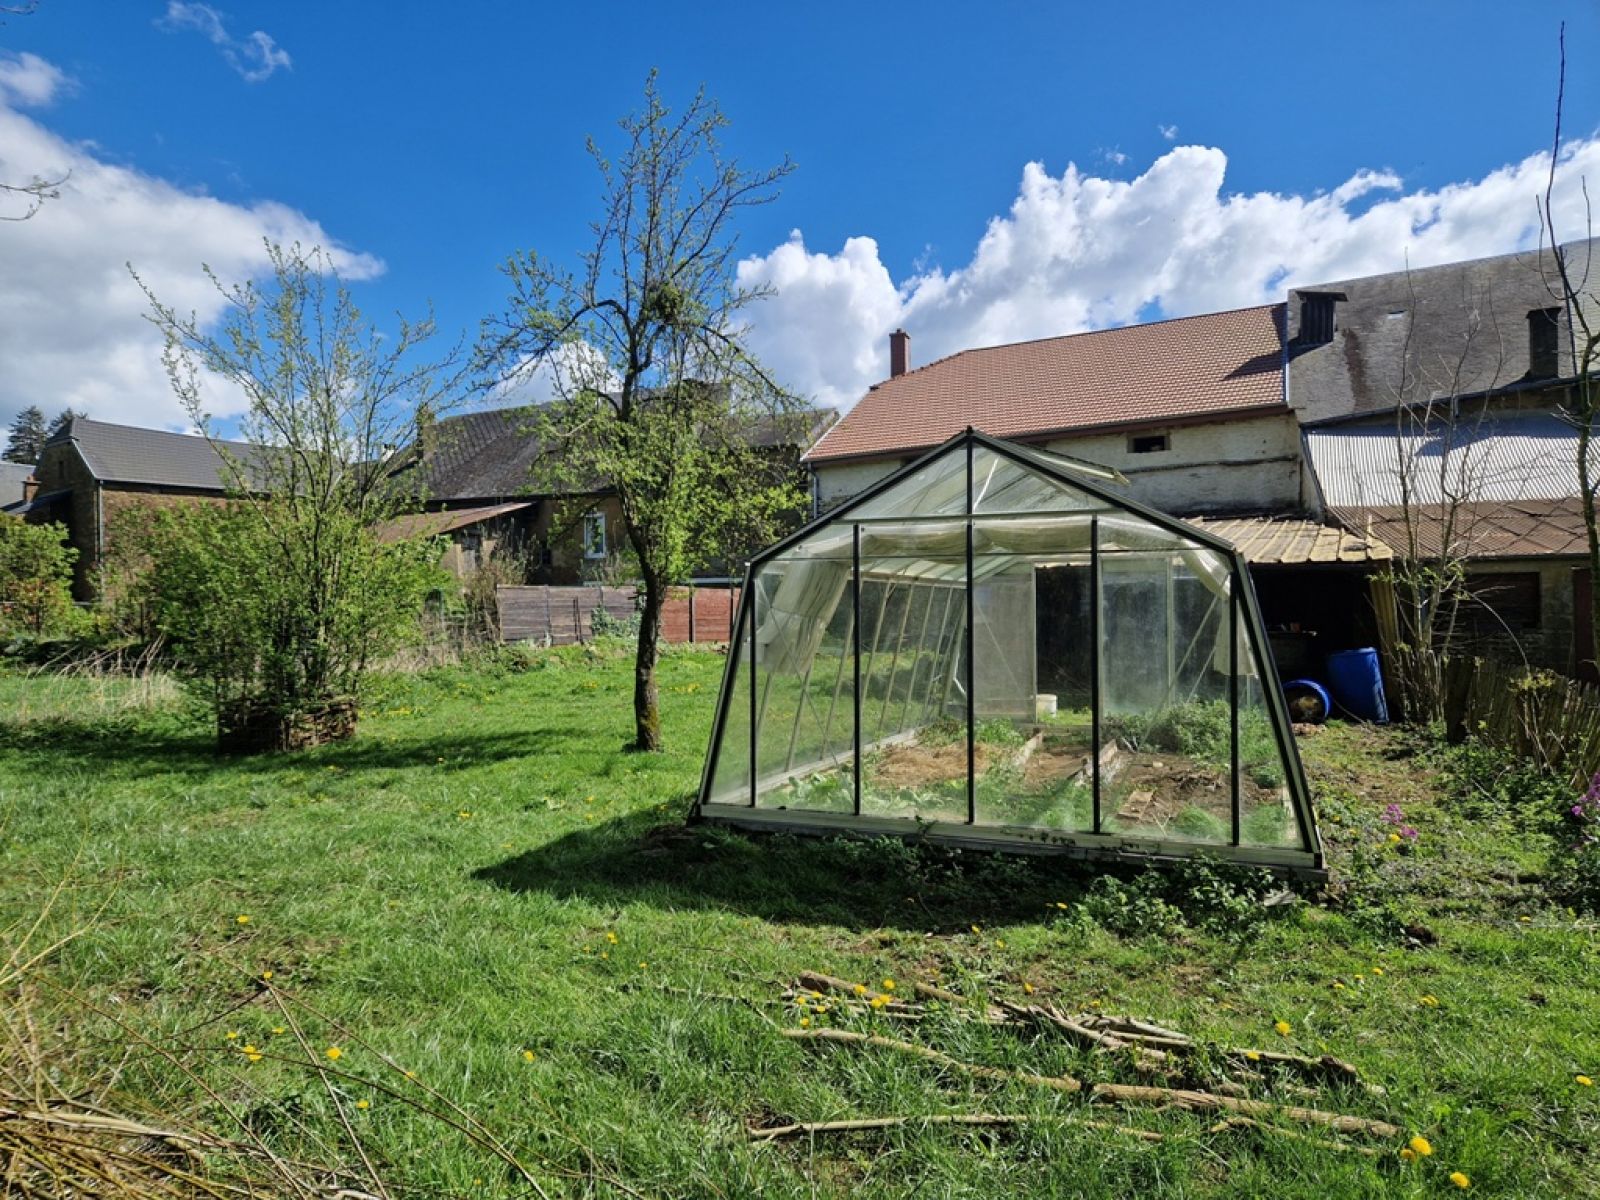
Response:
column 1170, row 132
column 72, row 327
column 28, row 80
column 1077, row 251
column 255, row 57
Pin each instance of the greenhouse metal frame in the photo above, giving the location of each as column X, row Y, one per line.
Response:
column 993, row 648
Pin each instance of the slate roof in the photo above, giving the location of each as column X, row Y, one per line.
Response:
column 1406, row 337
column 1497, row 529
column 1212, row 365
column 1271, row 540
column 12, row 477
column 129, row 454
column 1503, row 455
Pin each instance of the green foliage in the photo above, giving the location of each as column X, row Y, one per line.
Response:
column 1133, row 908
column 605, row 624
column 1202, row 731
column 265, row 607
column 35, row 579
column 26, row 438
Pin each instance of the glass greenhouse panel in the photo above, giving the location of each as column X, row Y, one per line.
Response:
column 1266, row 807
column 1001, row 484
column 728, row 774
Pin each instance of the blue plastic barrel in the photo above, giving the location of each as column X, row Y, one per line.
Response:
column 1356, row 680
column 1308, row 701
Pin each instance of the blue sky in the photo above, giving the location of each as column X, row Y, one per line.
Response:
column 437, row 138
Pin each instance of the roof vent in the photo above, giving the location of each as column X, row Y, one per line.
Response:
column 899, row 353
column 1317, row 318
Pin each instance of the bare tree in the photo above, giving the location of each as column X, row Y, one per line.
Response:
column 1571, row 284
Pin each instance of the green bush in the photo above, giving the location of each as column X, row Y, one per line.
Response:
column 35, row 580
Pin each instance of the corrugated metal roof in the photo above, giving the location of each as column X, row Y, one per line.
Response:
column 1270, row 541
column 432, row 524
column 1503, row 456
column 1499, row 529
column 1218, row 363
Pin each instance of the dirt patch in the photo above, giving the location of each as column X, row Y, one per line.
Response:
column 916, row 765
column 1053, row 762
column 1158, row 787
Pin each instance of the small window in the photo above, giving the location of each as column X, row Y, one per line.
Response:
column 1147, row 443
column 594, row 535
column 1544, row 343
column 1502, row 603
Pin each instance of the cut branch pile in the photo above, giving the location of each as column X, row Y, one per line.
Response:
column 1150, row 1049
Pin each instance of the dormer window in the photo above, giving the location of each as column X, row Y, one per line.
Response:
column 1317, row 317
column 1544, row 343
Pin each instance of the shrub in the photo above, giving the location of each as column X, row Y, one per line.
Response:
column 35, row 579
column 1577, row 865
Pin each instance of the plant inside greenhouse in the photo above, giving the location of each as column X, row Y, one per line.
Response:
column 995, row 647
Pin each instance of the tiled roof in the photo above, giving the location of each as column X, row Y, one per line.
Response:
column 1272, row 541
column 1214, row 364
column 130, row 454
column 1503, row 529
column 12, row 477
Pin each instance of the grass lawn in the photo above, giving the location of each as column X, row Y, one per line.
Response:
column 485, row 888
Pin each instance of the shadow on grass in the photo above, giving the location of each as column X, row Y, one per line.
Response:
column 854, row 883
column 187, row 747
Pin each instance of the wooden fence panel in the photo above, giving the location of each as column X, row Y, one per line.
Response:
column 564, row 615
column 1539, row 715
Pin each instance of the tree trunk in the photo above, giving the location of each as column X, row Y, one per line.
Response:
column 646, row 696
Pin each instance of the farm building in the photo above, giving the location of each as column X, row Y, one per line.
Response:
column 995, row 647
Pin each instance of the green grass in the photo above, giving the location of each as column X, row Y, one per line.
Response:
column 444, row 885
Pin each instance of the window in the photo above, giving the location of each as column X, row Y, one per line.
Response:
column 594, row 535
column 1544, row 343
column 1502, row 603
column 1147, row 443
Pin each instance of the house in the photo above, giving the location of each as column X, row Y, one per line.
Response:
column 1193, row 416
column 1432, row 407
column 105, row 482
column 15, row 479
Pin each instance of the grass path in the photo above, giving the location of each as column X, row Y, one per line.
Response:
column 450, row 884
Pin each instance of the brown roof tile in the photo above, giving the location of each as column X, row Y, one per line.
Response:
column 1218, row 363
column 1273, row 540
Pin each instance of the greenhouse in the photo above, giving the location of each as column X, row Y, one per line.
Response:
column 994, row 648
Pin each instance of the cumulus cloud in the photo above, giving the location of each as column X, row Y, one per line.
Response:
column 255, row 57
column 72, row 327
column 1170, row 132
column 28, row 80
column 1078, row 251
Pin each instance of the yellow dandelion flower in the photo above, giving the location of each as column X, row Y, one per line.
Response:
column 231, row 1034
column 1359, row 978
column 463, row 815
column 1377, row 970
column 1526, row 920
column 409, row 1074
column 1459, row 1178
column 879, row 1001
column 1583, row 1081
column 888, row 985
column 334, row 1053
column 1283, row 1028
column 977, row 929
column 250, row 1049
column 816, row 995
column 243, row 918
column 1027, row 988
column 821, row 1008
column 643, row 966
column 805, row 1022
column 363, row 1104
column 1337, row 986
column 611, row 937
column 1421, row 1146
column 1060, row 904
column 1394, row 839
column 266, row 976
column 1253, row 1055
column 1407, row 1154
column 860, row 989
column 605, row 954
column 1429, row 1001
column 527, row 1056
column 999, row 943
column 277, row 1029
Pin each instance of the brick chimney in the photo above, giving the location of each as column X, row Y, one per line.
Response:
column 899, row 353
column 30, row 487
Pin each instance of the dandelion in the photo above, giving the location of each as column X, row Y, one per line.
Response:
column 1583, row 1081
column 888, row 985
column 266, row 976
column 1429, row 1001
column 527, row 1056
column 1420, row 1146
column 1394, row 839
column 251, row 1053
column 1526, row 920
column 611, row 937
column 1027, row 988
column 334, row 1053
column 463, row 815
column 243, row 919
column 1459, row 1178
column 879, row 1001
column 1377, row 970
column 278, row 1029
column 1253, row 1055
column 860, row 989
column 805, row 1022
column 605, row 954
column 363, row 1104
column 1359, row 978
column 977, row 929
column 1337, row 986
column 231, row 1035
column 1283, row 1028
column 1407, row 1154
column 1000, row 944
column 1061, row 904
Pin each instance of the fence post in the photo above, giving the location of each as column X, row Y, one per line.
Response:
column 691, row 613
column 577, row 621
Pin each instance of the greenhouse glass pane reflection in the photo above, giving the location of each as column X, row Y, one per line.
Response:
column 995, row 648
